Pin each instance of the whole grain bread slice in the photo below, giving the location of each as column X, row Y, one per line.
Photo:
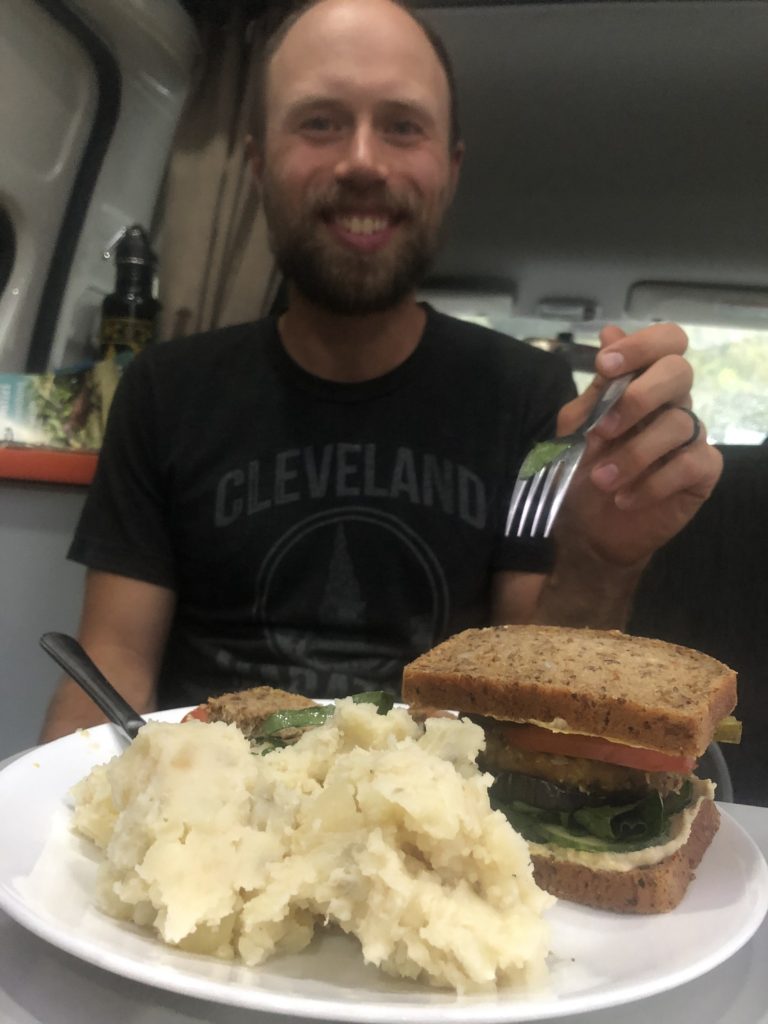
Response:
column 655, row 889
column 603, row 683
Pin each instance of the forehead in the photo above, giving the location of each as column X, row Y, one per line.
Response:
column 357, row 50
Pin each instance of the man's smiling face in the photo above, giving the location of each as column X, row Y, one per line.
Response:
column 357, row 168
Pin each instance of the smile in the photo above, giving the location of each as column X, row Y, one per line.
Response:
column 363, row 224
column 365, row 233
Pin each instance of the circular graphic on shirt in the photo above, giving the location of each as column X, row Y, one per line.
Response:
column 364, row 563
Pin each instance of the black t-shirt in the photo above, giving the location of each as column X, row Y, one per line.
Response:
column 318, row 535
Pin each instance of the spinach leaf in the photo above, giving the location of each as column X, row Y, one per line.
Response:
column 642, row 819
column 303, row 718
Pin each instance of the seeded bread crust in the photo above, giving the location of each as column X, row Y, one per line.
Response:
column 649, row 890
column 603, row 683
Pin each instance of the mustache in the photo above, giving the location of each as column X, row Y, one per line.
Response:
column 380, row 199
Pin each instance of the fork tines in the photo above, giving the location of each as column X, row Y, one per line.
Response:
column 538, row 499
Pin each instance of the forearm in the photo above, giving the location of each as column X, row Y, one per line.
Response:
column 70, row 708
column 124, row 627
column 585, row 590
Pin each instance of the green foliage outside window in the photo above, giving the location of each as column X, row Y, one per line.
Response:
column 730, row 387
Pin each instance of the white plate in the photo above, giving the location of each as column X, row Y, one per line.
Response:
column 598, row 959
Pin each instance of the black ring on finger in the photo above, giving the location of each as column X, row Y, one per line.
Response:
column 696, row 425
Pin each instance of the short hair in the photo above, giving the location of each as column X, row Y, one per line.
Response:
column 285, row 24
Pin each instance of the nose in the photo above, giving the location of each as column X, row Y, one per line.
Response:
column 363, row 162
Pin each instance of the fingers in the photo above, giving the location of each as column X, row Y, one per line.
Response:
column 666, row 378
column 655, row 461
column 624, row 353
column 693, row 471
column 666, row 382
column 610, row 334
column 642, row 456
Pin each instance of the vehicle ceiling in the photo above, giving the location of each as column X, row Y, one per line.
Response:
column 611, row 143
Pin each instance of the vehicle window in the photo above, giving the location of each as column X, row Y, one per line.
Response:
column 730, row 389
column 44, row 124
column 730, row 385
column 7, row 248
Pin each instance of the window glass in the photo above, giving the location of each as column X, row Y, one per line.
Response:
column 730, row 388
column 730, row 383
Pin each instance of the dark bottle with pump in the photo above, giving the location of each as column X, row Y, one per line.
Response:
column 129, row 314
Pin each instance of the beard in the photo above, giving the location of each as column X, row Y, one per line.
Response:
column 338, row 279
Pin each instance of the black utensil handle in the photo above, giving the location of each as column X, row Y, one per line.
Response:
column 68, row 653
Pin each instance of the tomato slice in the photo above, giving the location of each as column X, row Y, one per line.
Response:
column 199, row 713
column 568, row 744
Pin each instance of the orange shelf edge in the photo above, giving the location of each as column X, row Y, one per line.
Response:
column 47, row 466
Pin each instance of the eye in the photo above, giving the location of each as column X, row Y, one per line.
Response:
column 403, row 131
column 404, row 128
column 319, row 126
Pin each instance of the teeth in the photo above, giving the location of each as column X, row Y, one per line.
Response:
column 363, row 225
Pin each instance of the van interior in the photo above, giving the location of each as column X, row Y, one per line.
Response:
column 614, row 172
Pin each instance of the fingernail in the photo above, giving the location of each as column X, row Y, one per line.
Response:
column 624, row 501
column 610, row 361
column 606, row 475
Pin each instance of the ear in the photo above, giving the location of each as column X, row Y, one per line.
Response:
column 254, row 158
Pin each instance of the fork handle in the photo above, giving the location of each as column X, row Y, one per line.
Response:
column 607, row 400
column 68, row 653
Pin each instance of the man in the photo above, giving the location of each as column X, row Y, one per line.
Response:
column 312, row 502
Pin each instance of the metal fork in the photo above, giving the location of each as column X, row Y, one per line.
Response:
column 548, row 469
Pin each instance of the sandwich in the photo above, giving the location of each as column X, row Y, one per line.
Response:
column 592, row 738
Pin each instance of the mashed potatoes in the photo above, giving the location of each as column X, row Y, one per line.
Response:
column 370, row 822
